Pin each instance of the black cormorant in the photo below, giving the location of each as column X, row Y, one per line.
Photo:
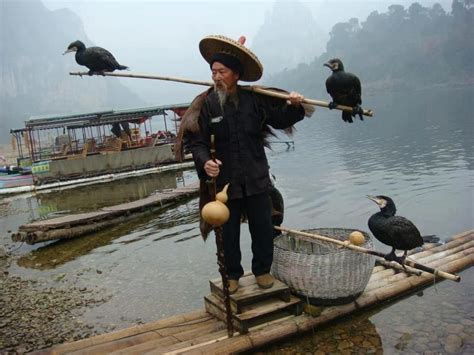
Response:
column 395, row 231
column 344, row 89
column 97, row 59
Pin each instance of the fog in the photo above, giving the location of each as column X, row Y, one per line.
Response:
column 161, row 37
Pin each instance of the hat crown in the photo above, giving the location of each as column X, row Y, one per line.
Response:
column 210, row 45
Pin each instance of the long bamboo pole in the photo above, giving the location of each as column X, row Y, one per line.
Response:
column 410, row 263
column 218, row 231
column 256, row 89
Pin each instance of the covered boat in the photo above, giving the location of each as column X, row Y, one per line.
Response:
column 80, row 146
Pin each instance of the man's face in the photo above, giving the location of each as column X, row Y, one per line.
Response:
column 224, row 78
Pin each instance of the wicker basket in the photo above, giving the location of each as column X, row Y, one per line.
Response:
column 321, row 271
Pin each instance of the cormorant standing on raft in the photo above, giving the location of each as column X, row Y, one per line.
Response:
column 344, row 89
column 395, row 231
column 97, row 59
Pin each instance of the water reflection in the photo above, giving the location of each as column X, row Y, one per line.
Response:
column 415, row 150
column 439, row 320
column 354, row 335
column 52, row 255
column 18, row 210
column 94, row 197
column 423, row 136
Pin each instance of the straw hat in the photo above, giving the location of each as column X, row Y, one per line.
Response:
column 211, row 45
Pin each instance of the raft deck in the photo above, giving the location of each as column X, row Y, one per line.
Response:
column 76, row 225
column 202, row 332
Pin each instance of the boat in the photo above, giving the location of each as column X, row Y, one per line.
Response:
column 80, row 224
column 91, row 147
column 262, row 317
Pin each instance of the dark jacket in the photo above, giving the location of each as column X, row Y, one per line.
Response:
column 239, row 139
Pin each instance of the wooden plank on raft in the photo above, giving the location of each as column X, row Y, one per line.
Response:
column 249, row 292
column 209, row 337
column 256, row 313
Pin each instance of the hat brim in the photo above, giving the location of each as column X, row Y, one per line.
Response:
column 210, row 45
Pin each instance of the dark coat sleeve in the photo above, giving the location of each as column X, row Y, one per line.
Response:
column 198, row 142
column 278, row 114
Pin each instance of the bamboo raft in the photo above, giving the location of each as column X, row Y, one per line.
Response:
column 76, row 225
column 202, row 331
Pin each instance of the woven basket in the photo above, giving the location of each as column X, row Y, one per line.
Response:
column 322, row 271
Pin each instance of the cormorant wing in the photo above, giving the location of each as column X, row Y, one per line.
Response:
column 99, row 54
column 331, row 86
column 356, row 87
column 404, row 234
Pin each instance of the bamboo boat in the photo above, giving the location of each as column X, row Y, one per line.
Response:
column 202, row 331
column 76, row 225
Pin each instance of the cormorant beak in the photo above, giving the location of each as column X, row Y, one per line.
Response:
column 73, row 49
column 327, row 65
column 379, row 201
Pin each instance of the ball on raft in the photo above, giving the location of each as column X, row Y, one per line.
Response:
column 356, row 238
column 215, row 213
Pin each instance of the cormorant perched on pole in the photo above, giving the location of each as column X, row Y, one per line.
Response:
column 344, row 89
column 97, row 59
column 395, row 231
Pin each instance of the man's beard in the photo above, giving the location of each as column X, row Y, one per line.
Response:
column 222, row 95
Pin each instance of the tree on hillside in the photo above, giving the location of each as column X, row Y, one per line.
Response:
column 412, row 47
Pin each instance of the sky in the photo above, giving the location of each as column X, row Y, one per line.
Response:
column 161, row 37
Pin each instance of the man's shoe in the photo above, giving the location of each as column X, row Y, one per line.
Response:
column 233, row 286
column 265, row 280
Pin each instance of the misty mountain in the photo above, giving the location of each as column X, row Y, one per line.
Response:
column 288, row 36
column 35, row 76
column 402, row 48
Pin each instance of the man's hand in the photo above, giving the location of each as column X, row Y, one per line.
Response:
column 295, row 99
column 211, row 167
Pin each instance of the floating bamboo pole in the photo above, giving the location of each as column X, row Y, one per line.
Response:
column 256, row 89
column 413, row 264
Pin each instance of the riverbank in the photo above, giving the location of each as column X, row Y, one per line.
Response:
column 36, row 314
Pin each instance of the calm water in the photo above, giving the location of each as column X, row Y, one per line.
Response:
column 417, row 150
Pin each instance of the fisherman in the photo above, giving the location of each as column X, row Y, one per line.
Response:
column 240, row 120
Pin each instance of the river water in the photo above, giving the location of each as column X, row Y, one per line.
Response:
column 418, row 149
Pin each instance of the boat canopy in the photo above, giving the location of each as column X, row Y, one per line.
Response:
column 78, row 128
column 98, row 118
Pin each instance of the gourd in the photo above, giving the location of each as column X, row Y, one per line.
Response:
column 216, row 212
column 356, row 238
column 222, row 196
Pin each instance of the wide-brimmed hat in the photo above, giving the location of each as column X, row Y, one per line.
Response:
column 211, row 45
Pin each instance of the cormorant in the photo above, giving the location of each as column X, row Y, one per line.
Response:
column 97, row 59
column 395, row 231
column 344, row 89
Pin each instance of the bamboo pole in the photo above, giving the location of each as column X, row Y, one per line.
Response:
column 127, row 332
column 413, row 264
column 256, row 89
column 454, row 248
column 388, row 280
column 218, row 231
column 306, row 323
column 408, row 269
column 446, row 246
